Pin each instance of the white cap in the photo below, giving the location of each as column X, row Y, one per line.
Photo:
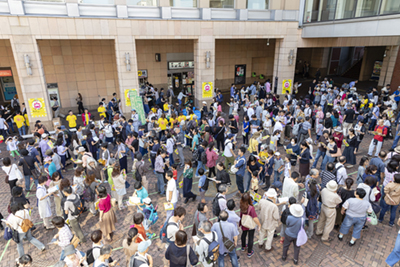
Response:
column 44, row 135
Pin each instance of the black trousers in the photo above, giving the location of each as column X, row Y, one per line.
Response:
column 251, row 239
column 211, row 170
column 220, row 142
column 286, row 245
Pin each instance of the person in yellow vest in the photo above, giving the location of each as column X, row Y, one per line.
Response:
column 162, row 124
column 20, row 122
column 71, row 118
column 26, row 120
column 101, row 110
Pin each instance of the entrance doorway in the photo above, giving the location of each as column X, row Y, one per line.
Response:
column 7, row 85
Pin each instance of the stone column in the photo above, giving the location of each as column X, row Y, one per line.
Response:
column 282, row 69
column 125, row 43
column 388, row 65
column 32, row 86
column 205, row 43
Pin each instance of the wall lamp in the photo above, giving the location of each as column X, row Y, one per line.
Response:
column 291, row 57
column 268, row 42
column 208, row 59
column 127, row 62
column 27, row 64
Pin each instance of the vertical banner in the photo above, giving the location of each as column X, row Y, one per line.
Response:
column 137, row 104
column 37, row 107
column 240, row 74
column 207, row 89
column 287, row 86
column 127, row 98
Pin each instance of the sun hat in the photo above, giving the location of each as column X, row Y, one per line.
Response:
column 397, row 149
column 44, row 135
column 331, row 186
column 296, row 210
column 338, row 129
column 277, row 154
column 81, row 149
column 271, row 193
column 147, row 200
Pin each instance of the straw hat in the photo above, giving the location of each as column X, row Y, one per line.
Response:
column 331, row 186
column 296, row 210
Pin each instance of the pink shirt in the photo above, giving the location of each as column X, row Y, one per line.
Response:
column 105, row 204
column 212, row 158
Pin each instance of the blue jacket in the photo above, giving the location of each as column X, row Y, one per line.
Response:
column 220, row 98
column 241, row 165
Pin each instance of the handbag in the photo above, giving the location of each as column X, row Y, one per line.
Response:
column 127, row 185
column 371, row 218
column 248, row 221
column 6, row 179
column 8, row 233
column 15, row 236
column 301, row 235
column 229, row 245
column 74, row 241
column 194, row 230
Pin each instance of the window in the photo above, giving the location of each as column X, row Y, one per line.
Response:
column 222, row 3
column 345, row 9
column 319, row 10
column 141, row 2
column 367, row 8
column 327, row 10
column 257, row 4
column 390, row 6
column 311, row 11
column 183, row 3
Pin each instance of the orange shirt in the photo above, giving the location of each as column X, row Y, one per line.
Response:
column 140, row 231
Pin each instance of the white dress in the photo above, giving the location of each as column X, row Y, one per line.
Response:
column 44, row 205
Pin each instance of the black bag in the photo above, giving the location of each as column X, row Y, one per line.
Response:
column 215, row 205
column 203, row 157
column 78, row 208
column 89, row 255
column 205, row 186
column 15, row 236
column 284, row 215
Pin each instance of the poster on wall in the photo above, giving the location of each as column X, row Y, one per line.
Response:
column 9, row 91
column 240, row 74
column 376, row 71
column 207, row 90
column 37, row 107
column 287, row 86
column 137, row 104
column 127, row 99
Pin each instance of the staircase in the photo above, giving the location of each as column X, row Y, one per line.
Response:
column 353, row 71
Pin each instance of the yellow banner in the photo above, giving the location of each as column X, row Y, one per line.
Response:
column 287, row 86
column 37, row 107
column 207, row 90
column 127, row 98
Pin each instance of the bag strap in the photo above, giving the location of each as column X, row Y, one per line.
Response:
column 187, row 255
column 222, row 232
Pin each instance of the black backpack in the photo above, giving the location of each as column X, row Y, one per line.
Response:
column 135, row 261
column 89, row 255
column 78, row 208
column 203, row 157
column 88, row 194
column 284, row 215
column 336, row 170
column 215, row 205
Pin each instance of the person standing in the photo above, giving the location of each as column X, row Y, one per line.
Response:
column 380, row 133
column 246, row 208
column 330, row 199
column 44, row 203
column 394, row 256
column 20, row 122
column 107, row 216
column 240, row 164
column 171, row 193
column 79, row 102
column 56, row 107
column 294, row 222
column 228, row 151
column 71, row 205
column 269, row 219
column 180, row 143
column 188, row 182
column 159, row 169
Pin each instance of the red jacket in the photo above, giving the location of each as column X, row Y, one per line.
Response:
column 84, row 118
column 382, row 130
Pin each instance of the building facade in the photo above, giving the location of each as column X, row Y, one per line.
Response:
column 96, row 48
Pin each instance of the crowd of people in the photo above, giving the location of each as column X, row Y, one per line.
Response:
column 287, row 161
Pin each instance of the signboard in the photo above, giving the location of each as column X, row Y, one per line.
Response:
column 180, row 65
column 9, row 91
column 207, row 89
column 52, row 90
column 37, row 107
column 286, row 86
column 137, row 104
column 240, row 74
column 142, row 73
column 5, row 73
column 376, row 71
column 127, row 99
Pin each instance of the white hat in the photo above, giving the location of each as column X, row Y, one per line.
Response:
column 331, row 186
column 338, row 129
column 147, row 200
column 271, row 193
column 204, row 102
column 81, row 149
column 44, row 135
column 296, row 210
column 277, row 154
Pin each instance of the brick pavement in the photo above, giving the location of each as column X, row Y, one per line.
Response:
column 372, row 250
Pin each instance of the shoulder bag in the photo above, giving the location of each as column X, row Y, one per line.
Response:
column 187, row 256
column 229, row 245
column 301, row 235
column 33, row 172
column 248, row 221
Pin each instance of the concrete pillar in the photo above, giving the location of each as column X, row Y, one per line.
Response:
column 163, row 3
column 282, row 68
column 32, row 86
column 126, row 79
column 240, row 4
column 388, row 65
column 363, row 71
column 205, row 43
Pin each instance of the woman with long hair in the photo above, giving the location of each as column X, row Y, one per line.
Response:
column 350, row 149
column 312, row 206
column 79, row 101
column 212, row 158
column 129, row 243
column 107, row 216
column 176, row 252
column 304, row 159
column 246, row 208
column 345, row 193
column 91, row 183
column 364, row 162
column 188, row 181
column 219, row 135
column 391, row 199
column 119, row 185
column 56, row 181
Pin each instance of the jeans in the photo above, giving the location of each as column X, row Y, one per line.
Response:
column 28, row 182
column 63, row 160
column 357, row 222
column 319, row 154
column 385, row 208
column 200, row 165
column 396, row 139
column 171, row 158
column 394, row 256
column 180, row 154
column 276, row 176
column 21, row 130
column 325, row 161
column 160, row 182
column 251, row 240
column 239, row 183
column 10, row 126
column 233, row 257
column 34, row 241
column 372, row 125
column 170, row 213
column 247, row 180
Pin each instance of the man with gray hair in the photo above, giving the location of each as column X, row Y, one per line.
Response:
column 225, row 229
column 180, row 143
column 341, row 173
column 201, row 246
column 314, row 175
column 221, row 198
column 103, row 259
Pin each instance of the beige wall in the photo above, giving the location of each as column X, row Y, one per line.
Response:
column 86, row 66
column 158, row 71
column 257, row 56
column 7, row 60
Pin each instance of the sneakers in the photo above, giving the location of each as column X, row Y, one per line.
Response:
column 244, row 248
column 250, row 254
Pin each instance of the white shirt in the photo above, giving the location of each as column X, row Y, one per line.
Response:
column 16, row 222
column 69, row 263
column 228, row 147
column 250, row 112
column 171, row 187
column 341, row 174
column 12, row 145
column 202, row 248
column 2, row 124
column 278, row 126
column 12, row 174
column 288, row 167
column 170, row 145
column 290, row 188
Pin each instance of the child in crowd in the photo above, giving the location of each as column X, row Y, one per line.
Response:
column 12, row 146
column 254, row 181
column 203, row 185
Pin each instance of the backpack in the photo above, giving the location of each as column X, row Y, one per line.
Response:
column 284, row 215
column 137, row 174
column 163, row 232
column 153, row 217
column 78, row 208
column 205, row 186
column 26, row 224
column 215, row 205
column 168, row 93
column 312, row 206
column 336, row 170
column 213, row 250
column 88, row 194
column 295, row 129
column 135, row 261
column 203, row 157
column 89, row 255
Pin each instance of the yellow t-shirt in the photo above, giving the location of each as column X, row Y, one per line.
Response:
column 166, row 107
column 181, row 118
column 102, row 111
column 253, row 144
column 263, row 155
column 71, row 121
column 19, row 121
column 162, row 123
column 26, row 120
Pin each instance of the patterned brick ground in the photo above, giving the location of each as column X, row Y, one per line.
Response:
column 372, row 250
